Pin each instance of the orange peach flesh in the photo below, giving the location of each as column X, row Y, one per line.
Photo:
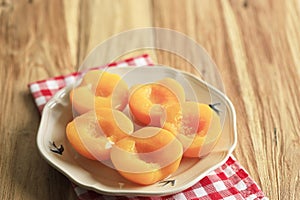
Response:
column 149, row 155
column 87, row 139
column 148, row 102
column 196, row 125
column 114, row 123
column 99, row 89
column 92, row 135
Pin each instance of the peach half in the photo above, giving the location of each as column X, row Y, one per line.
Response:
column 147, row 156
column 99, row 89
column 93, row 134
column 196, row 126
column 147, row 102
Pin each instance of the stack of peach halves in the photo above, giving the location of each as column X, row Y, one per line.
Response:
column 147, row 144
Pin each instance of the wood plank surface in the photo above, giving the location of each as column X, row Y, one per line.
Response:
column 255, row 44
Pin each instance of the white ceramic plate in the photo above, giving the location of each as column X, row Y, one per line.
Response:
column 102, row 179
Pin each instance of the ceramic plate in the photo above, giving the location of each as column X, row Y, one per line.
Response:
column 102, row 179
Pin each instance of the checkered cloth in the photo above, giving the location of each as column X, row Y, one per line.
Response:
column 230, row 181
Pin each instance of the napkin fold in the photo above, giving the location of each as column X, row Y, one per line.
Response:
column 230, row 181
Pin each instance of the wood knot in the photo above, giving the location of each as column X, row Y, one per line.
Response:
column 245, row 4
column 5, row 6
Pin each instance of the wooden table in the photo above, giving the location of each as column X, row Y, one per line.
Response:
column 255, row 44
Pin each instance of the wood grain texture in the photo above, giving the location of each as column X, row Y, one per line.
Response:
column 255, row 44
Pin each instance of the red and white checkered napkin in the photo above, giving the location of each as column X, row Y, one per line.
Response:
column 230, row 181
